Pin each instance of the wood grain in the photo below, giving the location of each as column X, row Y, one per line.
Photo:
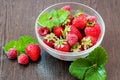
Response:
column 17, row 18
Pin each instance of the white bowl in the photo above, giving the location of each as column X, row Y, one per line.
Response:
column 71, row 56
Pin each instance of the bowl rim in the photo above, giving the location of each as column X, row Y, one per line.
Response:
column 71, row 53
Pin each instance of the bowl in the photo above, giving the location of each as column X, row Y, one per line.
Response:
column 71, row 56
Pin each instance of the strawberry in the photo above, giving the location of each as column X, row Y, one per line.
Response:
column 33, row 51
column 67, row 8
column 58, row 31
column 49, row 39
column 71, row 38
column 93, row 31
column 88, row 42
column 61, row 45
column 80, row 21
column 91, row 21
column 72, row 29
column 43, row 31
column 12, row 53
column 23, row 59
column 76, row 47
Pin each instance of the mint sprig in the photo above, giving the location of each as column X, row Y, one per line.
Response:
column 53, row 18
column 91, row 67
column 19, row 45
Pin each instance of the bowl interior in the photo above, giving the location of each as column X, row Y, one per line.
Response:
column 74, row 7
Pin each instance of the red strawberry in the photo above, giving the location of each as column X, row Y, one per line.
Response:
column 71, row 38
column 88, row 42
column 58, row 31
column 49, row 43
column 93, row 31
column 33, row 51
column 12, row 53
column 91, row 21
column 80, row 21
column 49, row 39
column 62, row 45
column 76, row 48
column 43, row 31
column 72, row 29
column 67, row 8
column 23, row 59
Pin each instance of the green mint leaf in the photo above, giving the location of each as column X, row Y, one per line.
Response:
column 91, row 67
column 98, row 56
column 22, row 42
column 53, row 18
column 96, row 74
column 79, row 67
column 11, row 44
column 62, row 15
column 78, row 13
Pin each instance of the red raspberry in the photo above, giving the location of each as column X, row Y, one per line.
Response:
column 43, row 31
column 23, row 59
column 67, row 8
column 12, row 53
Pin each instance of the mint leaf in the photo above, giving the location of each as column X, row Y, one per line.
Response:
column 91, row 67
column 53, row 18
column 23, row 42
column 62, row 15
column 98, row 73
column 11, row 44
column 98, row 56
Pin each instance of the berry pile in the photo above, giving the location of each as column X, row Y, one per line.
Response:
column 24, row 49
column 66, row 32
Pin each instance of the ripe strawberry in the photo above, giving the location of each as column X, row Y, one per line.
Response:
column 72, row 29
column 67, row 8
column 12, row 53
column 33, row 51
column 91, row 21
column 58, row 31
column 76, row 48
column 23, row 59
column 49, row 39
column 43, row 31
column 88, row 42
column 80, row 21
column 71, row 38
column 93, row 31
column 61, row 45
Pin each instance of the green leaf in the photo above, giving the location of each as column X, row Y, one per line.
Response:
column 53, row 18
column 98, row 73
column 79, row 67
column 23, row 42
column 98, row 56
column 91, row 67
column 11, row 44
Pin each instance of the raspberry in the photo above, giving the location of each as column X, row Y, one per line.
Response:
column 23, row 59
column 12, row 53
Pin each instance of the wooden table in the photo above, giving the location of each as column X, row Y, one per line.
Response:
column 17, row 18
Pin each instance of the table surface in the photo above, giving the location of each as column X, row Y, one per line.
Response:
column 17, row 18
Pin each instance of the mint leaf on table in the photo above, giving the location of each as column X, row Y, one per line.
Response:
column 11, row 44
column 91, row 67
column 53, row 18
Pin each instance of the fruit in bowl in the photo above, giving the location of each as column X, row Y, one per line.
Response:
column 69, row 30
